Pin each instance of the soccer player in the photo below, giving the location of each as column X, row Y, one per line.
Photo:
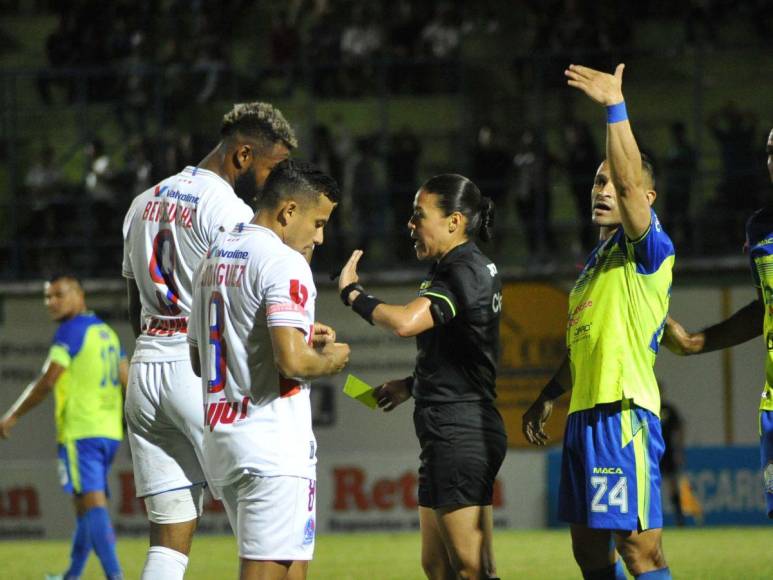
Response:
column 167, row 231
column 252, row 325
column 610, row 480
column 745, row 325
column 455, row 319
column 87, row 370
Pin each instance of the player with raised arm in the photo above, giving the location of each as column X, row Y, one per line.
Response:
column 610, row 479
column 745, row 325
column 252, row 327
column 87, row 370
column 167, row 232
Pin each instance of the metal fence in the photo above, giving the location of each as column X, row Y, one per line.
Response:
column 383, row 127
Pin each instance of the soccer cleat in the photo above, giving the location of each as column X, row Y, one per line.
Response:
column 54, row 577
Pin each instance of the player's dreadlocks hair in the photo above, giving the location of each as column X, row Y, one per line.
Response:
column 298, row 179
column 260, row 120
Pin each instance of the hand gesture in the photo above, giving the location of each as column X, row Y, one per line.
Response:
column 534, row 420
column 391, row 394
column 6, row 424
column 676, row 338
column 323, row 334
column 349, row 271
column 338, row 354
column 603, row 88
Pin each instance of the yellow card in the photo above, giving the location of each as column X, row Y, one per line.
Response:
column 360, row 390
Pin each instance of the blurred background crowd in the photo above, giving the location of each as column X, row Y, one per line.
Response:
column 100, row 100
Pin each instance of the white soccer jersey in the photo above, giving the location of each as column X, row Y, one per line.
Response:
column 256, row 420
column 167, row 231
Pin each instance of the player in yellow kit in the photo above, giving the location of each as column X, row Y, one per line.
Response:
column 87, row 370
column 610, row 478
column 745, row 325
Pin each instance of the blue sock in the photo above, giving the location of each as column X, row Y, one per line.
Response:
column 103, row 540
column 81, row 547
column 620, row 570
column 660, row 574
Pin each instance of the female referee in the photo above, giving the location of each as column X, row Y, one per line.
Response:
column 455, row 320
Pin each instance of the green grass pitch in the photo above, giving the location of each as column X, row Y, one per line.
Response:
column 730, row 553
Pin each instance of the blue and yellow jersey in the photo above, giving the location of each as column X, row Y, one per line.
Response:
column 617, row 311
column 88, row 394
column 759, row 239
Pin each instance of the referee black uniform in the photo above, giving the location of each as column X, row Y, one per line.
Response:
column 462, row 435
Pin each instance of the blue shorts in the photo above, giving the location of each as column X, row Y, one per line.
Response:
column 766, row 456
column 610, row 468
column 85, row 463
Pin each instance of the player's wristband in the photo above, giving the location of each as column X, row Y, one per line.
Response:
column 364, row 305
column 616, row 113
column 348, row 290
column 553, row 390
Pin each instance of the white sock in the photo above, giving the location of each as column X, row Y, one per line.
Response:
column 164, row 564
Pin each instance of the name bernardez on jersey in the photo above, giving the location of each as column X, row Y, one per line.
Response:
column 167, row 231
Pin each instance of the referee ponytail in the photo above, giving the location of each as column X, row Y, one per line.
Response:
column 457, row 193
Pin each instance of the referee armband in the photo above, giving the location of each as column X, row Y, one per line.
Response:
column 442, row 306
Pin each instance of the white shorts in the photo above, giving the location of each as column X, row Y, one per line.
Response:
column 274, row 517
column 165, row 424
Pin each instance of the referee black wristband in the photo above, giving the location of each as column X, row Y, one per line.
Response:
column 364, row 305
column 348, row 290
column 553, row 390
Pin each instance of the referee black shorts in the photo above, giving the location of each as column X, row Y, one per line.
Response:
column 462, row 448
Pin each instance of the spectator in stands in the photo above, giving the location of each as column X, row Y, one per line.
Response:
column 737, row 195
column 491, row 170
column 45, row 208
column 60, row 54
column 368, row 191
column 404, row 30
column 43, row 178
column 361, row 41
column 100, row 192
column 441, row 40
column 285, row 47
column 403, row 158
column 582, row 159
column 324, row 43
column 681, row 165
column 533, row 162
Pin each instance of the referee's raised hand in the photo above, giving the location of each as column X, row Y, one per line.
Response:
column 349, row 271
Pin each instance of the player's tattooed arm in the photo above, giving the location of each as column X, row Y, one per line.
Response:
column 742, row 326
